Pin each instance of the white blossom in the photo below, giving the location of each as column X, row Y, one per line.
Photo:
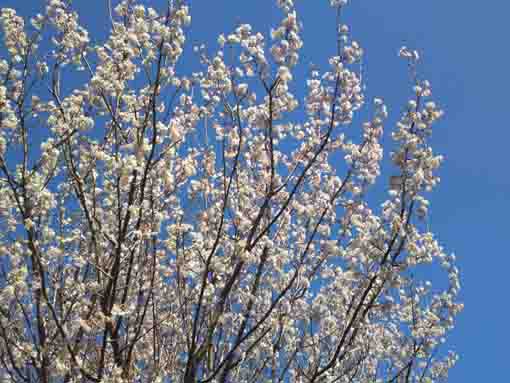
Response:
column 162, row 222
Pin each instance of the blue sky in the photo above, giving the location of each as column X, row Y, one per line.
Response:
column 465, row 56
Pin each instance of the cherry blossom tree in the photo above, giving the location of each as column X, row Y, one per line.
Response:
column 165, row 226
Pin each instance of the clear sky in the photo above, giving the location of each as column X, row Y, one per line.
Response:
column 465, row 49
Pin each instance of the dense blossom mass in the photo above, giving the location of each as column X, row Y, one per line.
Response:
column 212, row 226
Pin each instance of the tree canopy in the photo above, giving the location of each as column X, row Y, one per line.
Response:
column 212, row 226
